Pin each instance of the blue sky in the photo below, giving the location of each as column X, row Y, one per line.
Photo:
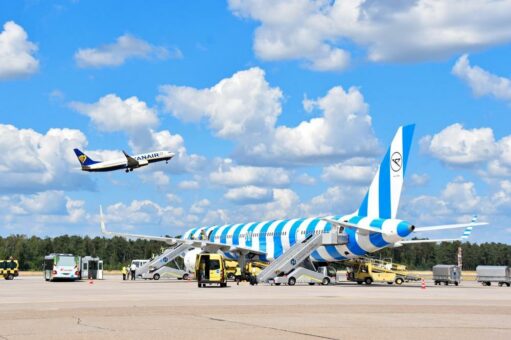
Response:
column 275, row 109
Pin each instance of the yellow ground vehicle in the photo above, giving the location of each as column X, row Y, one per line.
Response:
column 210, row 269
column 230, row 267
column 368, row 270
column 9, row 269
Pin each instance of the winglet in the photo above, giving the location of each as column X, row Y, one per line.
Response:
column 102, row 221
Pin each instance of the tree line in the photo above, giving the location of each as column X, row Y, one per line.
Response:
column 117, row 251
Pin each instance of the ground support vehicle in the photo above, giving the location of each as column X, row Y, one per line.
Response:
column 166, row 272
column 210, row 269
column 9, row 269
column 91, row 268
column 368, row 270
column 61, row 267
column 304, row 275
column 496, row 274
column 446, row 274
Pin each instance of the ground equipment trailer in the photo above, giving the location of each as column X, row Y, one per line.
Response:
column 497, row 274
column 91, row 268
column 368, row 270
column 9, row 269
column 446, row 274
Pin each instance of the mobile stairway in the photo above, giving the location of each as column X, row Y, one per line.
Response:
column 295, row 262
column 148, row 270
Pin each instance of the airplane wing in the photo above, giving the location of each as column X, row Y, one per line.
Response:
column 132, row 162
column 351, row 225
column 205, row 245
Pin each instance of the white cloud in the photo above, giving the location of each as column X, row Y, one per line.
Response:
column 249, row 194
column 229, row 174
column 242, row 105
column 33, row 162
column 334, row 201
column 482, row 82
column 16, row 52
column 110, row 113
column 244, row 108
column 354, row 171
column 143, row 212
column 189, row 185
column 456, row 145
column 200, row 206
column 320, row 32
column 125, row 47
column 41, row 213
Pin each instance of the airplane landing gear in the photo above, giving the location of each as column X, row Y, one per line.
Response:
column 127, row 170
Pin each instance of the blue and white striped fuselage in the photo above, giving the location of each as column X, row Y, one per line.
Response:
column 276, row 237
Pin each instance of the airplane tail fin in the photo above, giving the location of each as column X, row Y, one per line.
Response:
column 83, row 158
column 382, row 198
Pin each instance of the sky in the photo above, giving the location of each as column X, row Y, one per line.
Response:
column 275, row 109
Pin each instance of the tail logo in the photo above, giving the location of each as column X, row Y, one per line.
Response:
column 396, row 163
column 82, row 158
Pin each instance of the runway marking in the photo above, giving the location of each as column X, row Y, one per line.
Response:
column 272, row 328
column 79, row 322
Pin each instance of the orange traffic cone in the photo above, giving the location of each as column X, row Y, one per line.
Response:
column 423, row 284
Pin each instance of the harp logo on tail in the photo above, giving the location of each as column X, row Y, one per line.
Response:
column 82, row 158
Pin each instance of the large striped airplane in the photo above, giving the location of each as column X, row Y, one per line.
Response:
column 372, row 227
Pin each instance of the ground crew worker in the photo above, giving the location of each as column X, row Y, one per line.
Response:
column 133, row 269
column 124, row 271
column 237, row 275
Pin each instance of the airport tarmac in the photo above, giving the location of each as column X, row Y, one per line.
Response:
column 112, row 308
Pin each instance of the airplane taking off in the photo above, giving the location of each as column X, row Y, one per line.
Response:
column 129, row 162
column 372, row 227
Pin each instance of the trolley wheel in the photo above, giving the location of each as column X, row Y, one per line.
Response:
column 311, row 283
column 508, row 284
column 156, row 276
column 291, row 281
column 368, row 280
column 277, row 284
column 446, row 283
column 325, row 281
column 501, row 284
column 456, row 283
column 399, row 281
column 488, row 284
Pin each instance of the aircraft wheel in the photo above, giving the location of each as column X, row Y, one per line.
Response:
column 326, row 281
column 291, row 281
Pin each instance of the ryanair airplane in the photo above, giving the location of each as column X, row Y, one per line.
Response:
column 373, row 226
column 128, row 163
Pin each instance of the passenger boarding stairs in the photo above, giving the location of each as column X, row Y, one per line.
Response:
column 299, row 253
column 160, row 261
